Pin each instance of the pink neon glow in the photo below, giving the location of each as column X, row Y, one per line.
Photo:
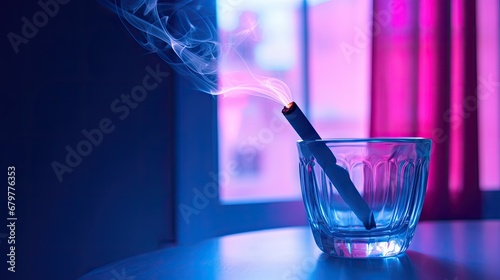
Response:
column 488, row 93
column 429, row 89
column 456, row 169
column 426, row 69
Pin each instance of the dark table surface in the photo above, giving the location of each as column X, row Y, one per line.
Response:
column 439, row 250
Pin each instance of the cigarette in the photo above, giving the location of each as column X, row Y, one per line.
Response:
column 325, row 158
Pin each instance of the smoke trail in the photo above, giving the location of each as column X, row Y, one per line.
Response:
column 186, row 38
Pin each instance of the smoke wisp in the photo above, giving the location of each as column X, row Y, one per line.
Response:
column 184, row 36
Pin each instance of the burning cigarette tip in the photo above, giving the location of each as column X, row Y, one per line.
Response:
column 289, row 108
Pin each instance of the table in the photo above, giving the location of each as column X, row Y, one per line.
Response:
column 439, row 250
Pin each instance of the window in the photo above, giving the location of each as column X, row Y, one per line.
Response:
column 255, row 146
column 257, row 150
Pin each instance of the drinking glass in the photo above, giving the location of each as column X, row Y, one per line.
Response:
column 390, row 175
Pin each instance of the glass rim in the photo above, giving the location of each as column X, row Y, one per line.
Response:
column 410, row 140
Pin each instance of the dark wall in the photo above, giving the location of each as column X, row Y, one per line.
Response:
column 117, row 201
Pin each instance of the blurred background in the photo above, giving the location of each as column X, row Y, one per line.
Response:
column 175, row 166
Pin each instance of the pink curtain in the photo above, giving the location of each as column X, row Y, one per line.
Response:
column 424, row 81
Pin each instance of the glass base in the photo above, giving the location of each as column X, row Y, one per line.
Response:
column 362, row 247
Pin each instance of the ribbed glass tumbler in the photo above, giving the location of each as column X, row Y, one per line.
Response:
column 389, row 174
